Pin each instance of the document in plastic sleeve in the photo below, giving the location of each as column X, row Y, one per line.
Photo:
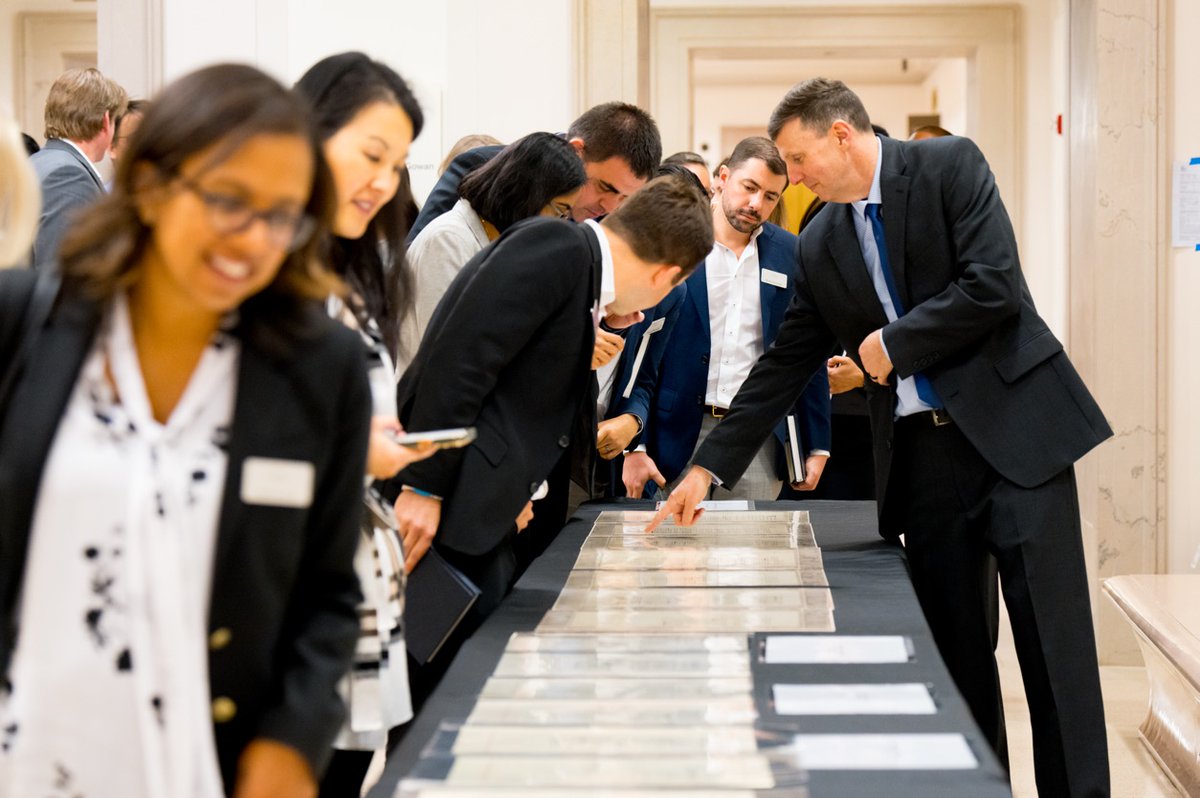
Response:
column 626, row 644
column 807, row 576
column 731, row 710
column 853, row 699
column 647, row 664
column 695, row 598
column 819, row 650
column 680, row 621
column 744, row 772
column 604, row 741
column 617, row 689
column 699, row 559
column 883, row 752
column 413, row 788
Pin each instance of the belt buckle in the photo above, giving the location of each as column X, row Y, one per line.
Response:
column 940, row 417
column 717, row 412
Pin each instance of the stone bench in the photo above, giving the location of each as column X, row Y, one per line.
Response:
column 1164, row 611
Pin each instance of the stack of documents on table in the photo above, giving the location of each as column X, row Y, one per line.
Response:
column 731, row 572
column 638, row 679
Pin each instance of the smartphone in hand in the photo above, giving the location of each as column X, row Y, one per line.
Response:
column 440, row 438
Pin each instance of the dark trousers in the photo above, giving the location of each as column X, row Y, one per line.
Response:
column 954, row 511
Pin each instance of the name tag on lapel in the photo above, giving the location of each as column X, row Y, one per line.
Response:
column 654, row 327
column 777, row 279
column 272, row 482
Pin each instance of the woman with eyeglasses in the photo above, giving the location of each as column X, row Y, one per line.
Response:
column 538, row 175
column 180, row 516
column 367, row 117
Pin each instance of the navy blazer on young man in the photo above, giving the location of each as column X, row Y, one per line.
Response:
column 68, row 184
column 657, row 327
column 678, row 403
column 283, row 612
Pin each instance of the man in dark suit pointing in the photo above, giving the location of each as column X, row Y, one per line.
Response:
column 977, row 415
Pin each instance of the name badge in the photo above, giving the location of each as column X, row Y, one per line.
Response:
column 654, row 327
column 272, row 482
column 777, row 279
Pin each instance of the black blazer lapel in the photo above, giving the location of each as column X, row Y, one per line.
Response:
column 843, row 246
column 261, row 427
column 35, row 408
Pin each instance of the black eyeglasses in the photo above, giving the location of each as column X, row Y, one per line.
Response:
column 231, row 215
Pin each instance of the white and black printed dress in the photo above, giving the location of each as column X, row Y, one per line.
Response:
column 109, row 680
column 376, row 689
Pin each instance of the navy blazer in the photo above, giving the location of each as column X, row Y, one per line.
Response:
column 674, row 424
column 69, row 183
column 283, row 612
column 657, row 326
column 972, row 328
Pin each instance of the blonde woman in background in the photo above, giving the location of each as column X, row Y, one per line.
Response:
column 20, row 199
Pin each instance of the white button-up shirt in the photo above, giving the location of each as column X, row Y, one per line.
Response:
column 734, row 319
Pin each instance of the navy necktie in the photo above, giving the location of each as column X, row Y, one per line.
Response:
column 924, row 386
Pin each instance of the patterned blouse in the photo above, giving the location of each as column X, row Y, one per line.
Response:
column 109, row 680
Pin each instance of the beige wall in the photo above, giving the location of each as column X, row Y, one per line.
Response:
column 1183, row 422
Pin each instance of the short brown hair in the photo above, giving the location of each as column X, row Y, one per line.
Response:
column 78, row 101
column 665, row 221
column 619, row 130
column 818, row 103
column 761, row 148
column 220, row 107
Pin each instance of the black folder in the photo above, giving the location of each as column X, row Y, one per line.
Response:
column 793, row 450
column 436, row 598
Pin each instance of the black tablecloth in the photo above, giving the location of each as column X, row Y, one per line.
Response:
column 872, row 594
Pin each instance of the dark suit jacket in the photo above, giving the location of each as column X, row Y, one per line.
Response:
column 69, row 183
column 284, row 585
column 445, row 191
column 972, row 328
column 508, row 351
column 674, row 425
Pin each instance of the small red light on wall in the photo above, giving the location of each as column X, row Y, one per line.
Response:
column 1060, row 124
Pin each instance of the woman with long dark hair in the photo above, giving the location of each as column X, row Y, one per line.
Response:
column 367, row 118
column 539, row 174
column 180, row 460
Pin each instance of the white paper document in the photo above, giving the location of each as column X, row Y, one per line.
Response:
column 682, row 621
column 829, row 649
column 810, row 576
column 1185, row 205
column 853, row 699
column 883, row 752
column 657, row 664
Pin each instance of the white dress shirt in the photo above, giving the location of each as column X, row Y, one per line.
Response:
column 606, row 374
column 734, row 318
column 908, row 402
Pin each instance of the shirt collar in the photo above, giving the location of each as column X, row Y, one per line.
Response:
column 86, row 159
column 875, row 195
column 608, row 282
column 474, row 223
